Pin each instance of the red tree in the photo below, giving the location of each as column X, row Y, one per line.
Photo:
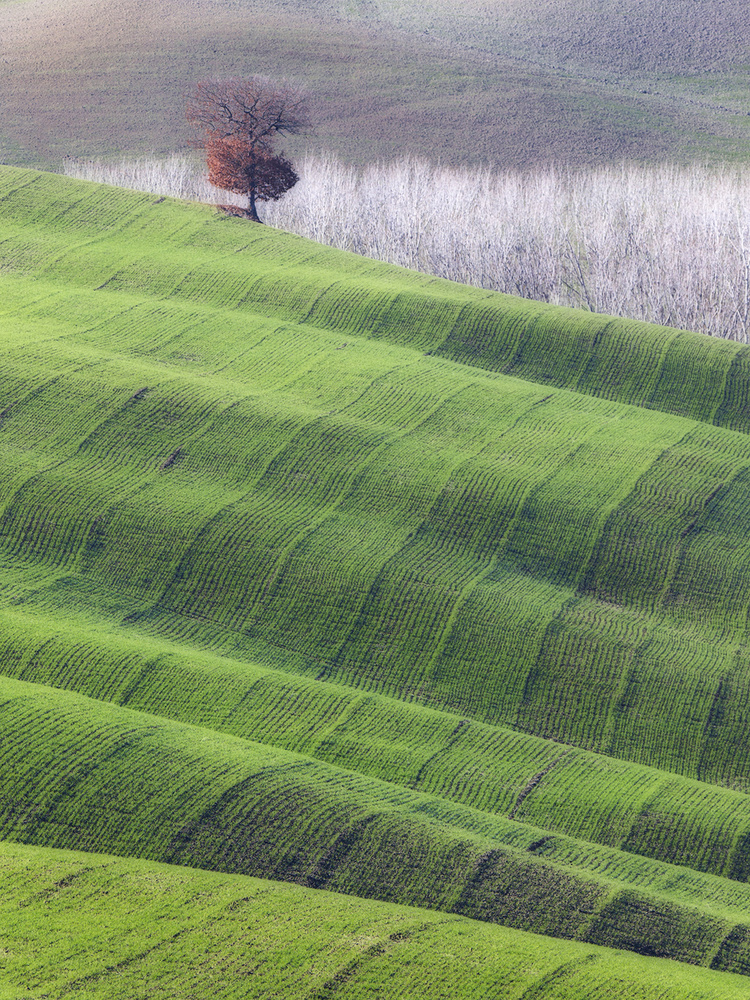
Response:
column 234, row 165
column 240, row 121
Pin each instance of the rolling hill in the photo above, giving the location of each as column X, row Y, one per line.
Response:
column 681, row 38
column 320, row 571
column 98, row 926
column 508, row 83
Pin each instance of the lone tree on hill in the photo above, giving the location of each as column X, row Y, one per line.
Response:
column 240, row 121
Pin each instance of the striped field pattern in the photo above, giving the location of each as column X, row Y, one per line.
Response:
column 98, row 926
column 321, row 571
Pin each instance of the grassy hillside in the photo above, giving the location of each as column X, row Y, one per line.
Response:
column 508, row 83
column 356, row 578
column 79, row 774
column 393, row 518
column 99, row 926
column 537, row 783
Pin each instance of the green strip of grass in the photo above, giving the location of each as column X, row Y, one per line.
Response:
column 242, row 442
column 408, row 524
column 79, row 774
column 95, row 236
column 105, row 927
column 558, row 791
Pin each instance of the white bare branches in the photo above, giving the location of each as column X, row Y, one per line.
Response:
column 664, row 244
column 176, row 177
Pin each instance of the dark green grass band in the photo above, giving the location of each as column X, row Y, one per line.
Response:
column 563, row 799
column 80, row 774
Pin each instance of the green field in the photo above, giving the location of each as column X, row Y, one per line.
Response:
column 321, row 571
column 96, row 926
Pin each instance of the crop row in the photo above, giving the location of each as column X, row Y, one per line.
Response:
column 303, row 537
column 106, row 927
column 430, row 553
column 93, row 777
column 551, row 787
column 223, row 835
column 241, row 445
column 615, row 577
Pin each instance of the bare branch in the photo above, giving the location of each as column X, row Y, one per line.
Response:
column 256, row 109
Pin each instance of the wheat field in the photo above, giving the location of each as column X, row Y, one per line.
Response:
column 323, row 571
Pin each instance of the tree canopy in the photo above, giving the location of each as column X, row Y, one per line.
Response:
column 239, row 121
column 232, row 168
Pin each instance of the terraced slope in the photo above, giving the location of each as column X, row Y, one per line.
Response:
column 111, row 240
column 398, row 570
column 158, row 931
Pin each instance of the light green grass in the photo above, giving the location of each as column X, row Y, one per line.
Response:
column 407, row 524
column 98, row 926
column 441, row 598
column 109, row 240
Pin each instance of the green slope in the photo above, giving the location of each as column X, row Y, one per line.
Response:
column 95, row 926
column 439, row 574
column 584, row 799
column 78, row 774
column 107, row 240
column 407, row 524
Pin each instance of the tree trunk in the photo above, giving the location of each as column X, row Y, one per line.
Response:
column 253, row 190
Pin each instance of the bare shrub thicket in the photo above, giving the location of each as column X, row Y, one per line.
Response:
column 176, row 177
column 665, row 244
